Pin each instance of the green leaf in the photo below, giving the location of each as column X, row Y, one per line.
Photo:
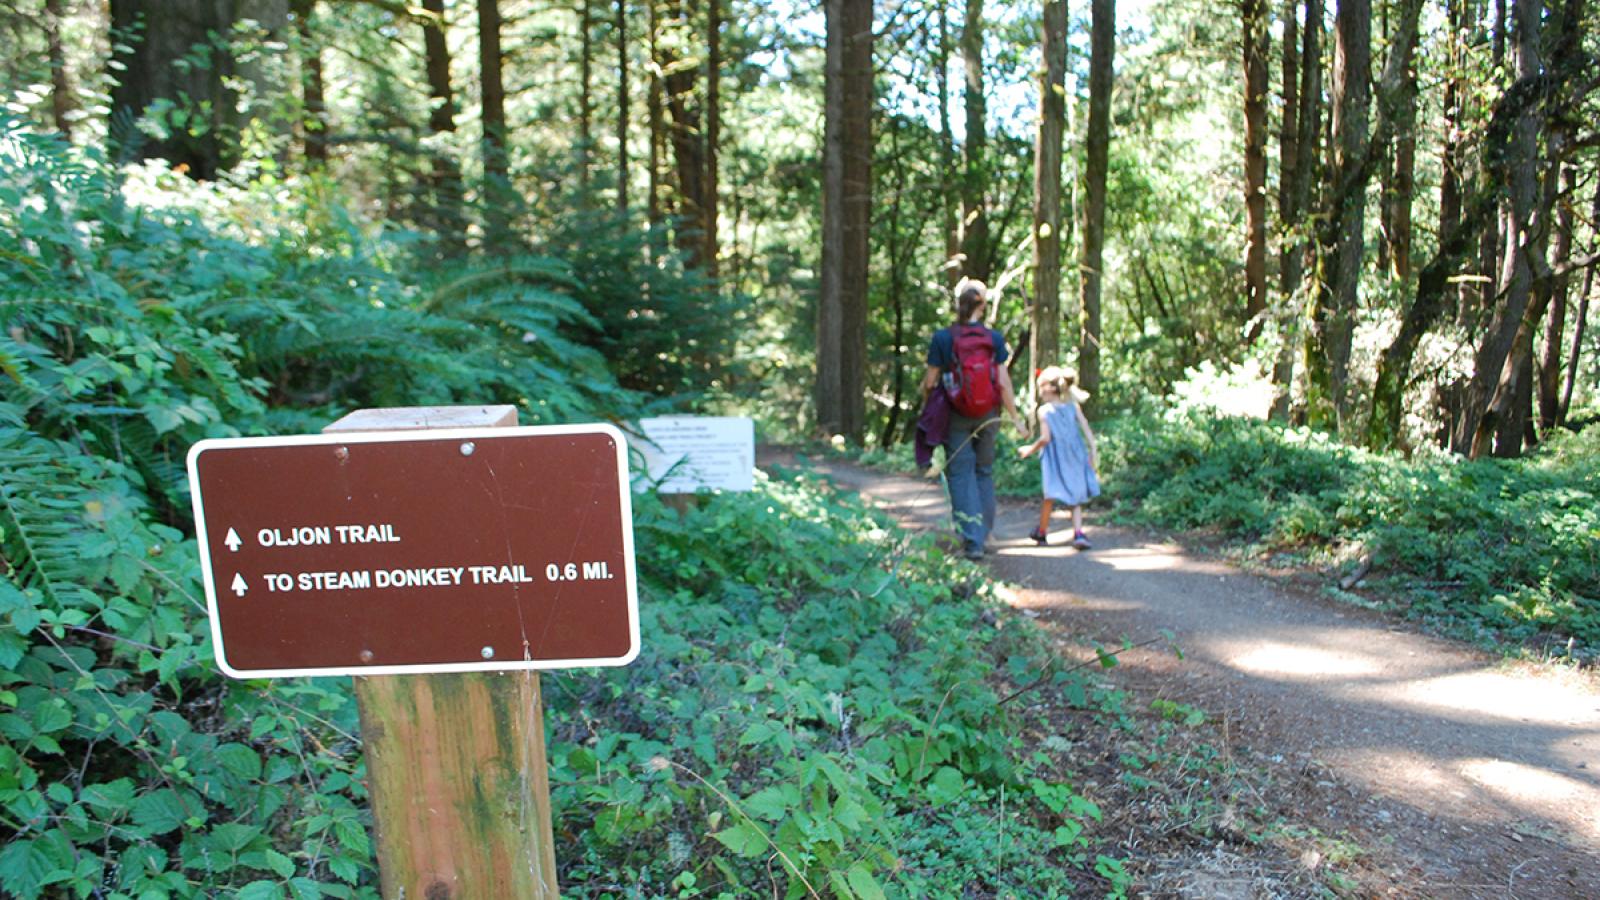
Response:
column 281, row 865
column 352, row 836
column 25, row 868
column 261, row 890
column 51, row 716
column 862, row 882
column 946, row 785
column 744, row 839
column 160, row 811
column 239, row 761
column 772, row 803
column 233, row 837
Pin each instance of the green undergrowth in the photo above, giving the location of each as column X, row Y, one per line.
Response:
column 815, row 709
column 1507, row 550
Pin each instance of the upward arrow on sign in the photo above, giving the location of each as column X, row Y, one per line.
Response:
column 239, row 587
column 232, row 540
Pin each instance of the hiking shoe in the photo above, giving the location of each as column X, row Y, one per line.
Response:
column 1039, row 536
column 973, row 553
column 1081, row 542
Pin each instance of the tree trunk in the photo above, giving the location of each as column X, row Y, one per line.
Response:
column 1045, row 326
column 61, row 102
column 657, row 123
column 1102, row 45
column 846, row 207
column 1578, row 323
column 1253, row 14
column 448, row 222
column 1299, row 151
column 621, row 34
column 315, row 117
column 975, row 178
column 1453, row 157
column 1400, row 179
column 1555, row 326
column 688, row 149
column 713, row 129
column 150, row 38
column 947, row 163
column 1493, row 388
column 497, row 194
column 1332, row 322
column 1434, row 293
column 1472, row 313
column 585, row 98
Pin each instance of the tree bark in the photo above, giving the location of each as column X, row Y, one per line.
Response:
column 1400, row 177
column 585, row 98
column 1253, row 15
column 498, row 199
column 1332, row 321
column 1299, row 150
column 61, row 101
column 1434, row 293
column 688, row 148
column 150, row 38
column 1452, row 156
column 315, row 115
column 444, row 181
column 1555, row 325
column 620, row 27
column 1493, row 387
column 656, row 117
column 846, row 207
column 1102, row 47
column 947, row 164
column 975, row 178
column 1578, row 323
column 713, row 130
column 1045, row 326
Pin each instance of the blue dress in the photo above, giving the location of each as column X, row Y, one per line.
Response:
column 1068, row 477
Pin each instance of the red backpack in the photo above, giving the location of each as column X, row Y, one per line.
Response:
column 971, row 382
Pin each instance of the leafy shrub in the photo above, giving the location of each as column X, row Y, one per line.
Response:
column 813, row 707
column 1510, row 545
column 808, row 686
column 139, row 317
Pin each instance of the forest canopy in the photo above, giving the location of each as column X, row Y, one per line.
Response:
column 1381, row 218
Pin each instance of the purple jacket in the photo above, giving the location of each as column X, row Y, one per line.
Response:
column 932, row 426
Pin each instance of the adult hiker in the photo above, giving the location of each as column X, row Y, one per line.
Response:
column 966, row 361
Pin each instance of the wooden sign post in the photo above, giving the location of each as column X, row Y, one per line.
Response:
column 440, row 556
column 456, row 762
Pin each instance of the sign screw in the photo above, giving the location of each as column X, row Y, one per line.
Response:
column 341, row 454
column 365, row 656
column 467, row 448
column 488, row 653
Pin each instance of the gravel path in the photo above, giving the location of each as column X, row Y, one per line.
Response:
column 1474, row 777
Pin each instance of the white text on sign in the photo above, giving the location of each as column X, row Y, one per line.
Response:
column 313, row 535
column 434, row 577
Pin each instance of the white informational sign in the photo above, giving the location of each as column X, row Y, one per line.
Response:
column 685, row 454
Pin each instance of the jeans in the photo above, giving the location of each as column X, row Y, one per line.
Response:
column 969, row 472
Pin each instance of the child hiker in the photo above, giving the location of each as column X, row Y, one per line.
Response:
column 1068, row 458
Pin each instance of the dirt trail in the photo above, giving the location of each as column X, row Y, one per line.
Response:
column 1472, row 777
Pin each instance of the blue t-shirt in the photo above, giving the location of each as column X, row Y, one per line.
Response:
column 942, row 349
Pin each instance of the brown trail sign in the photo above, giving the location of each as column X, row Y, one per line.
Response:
column 436, row 559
